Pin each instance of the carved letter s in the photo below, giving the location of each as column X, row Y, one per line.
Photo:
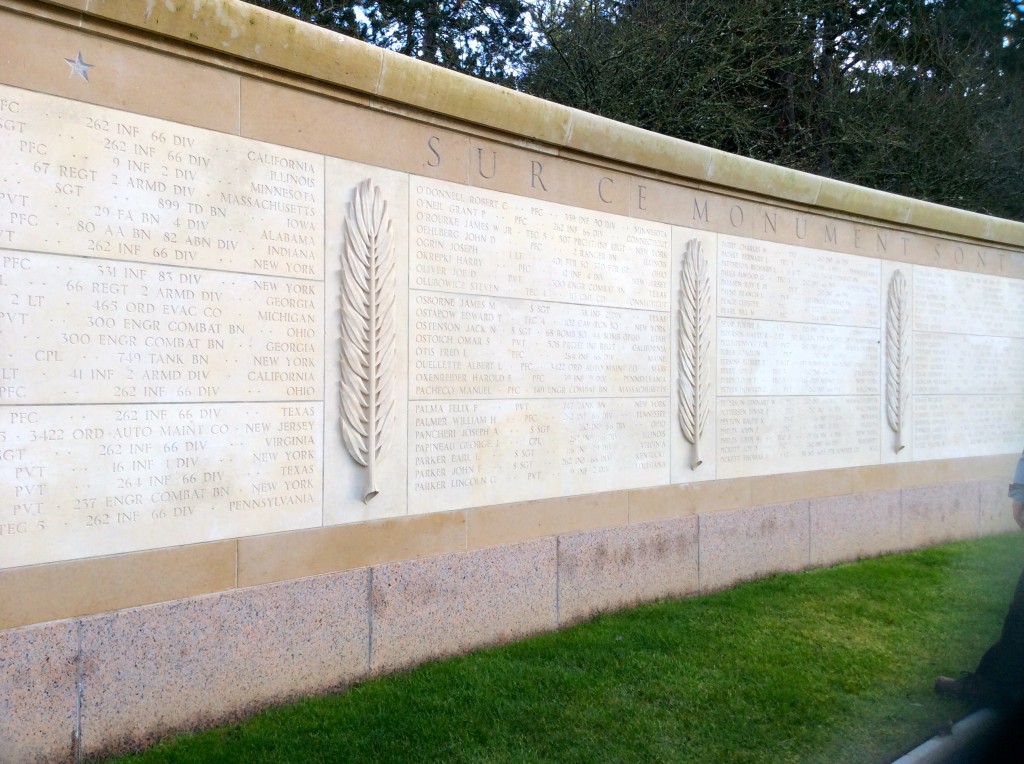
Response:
column 432, row 142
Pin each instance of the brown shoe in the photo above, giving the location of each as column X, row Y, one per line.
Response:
column 947, row 685
column 969, row 687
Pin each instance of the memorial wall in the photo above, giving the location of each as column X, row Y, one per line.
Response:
column 207, row 337
column 278, row 319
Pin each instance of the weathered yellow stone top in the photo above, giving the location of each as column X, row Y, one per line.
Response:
column 265, row 38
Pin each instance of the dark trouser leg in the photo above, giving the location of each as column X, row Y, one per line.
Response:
column 1003, row 663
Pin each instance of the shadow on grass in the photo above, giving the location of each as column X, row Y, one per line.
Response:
column 832, row 665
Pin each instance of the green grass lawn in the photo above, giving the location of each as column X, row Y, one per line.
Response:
column 826, row 666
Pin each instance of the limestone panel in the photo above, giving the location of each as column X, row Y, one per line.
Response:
column 486, row 347
column 951, row 426
column 152, row 671
column 797, row 358
column 957, row 302
column 96, row 182
column 91, row 480
column 967, row 364
column 968, row 361
column 106, row 331
column 759, row 279
column 759, row 436
column 774, row 358
column 478, row 241
column 476, row 452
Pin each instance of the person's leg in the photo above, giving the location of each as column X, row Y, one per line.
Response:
column 1003, row 664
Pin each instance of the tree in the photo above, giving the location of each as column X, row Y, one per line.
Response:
column 482, row 39
column 917, row 97
column 923, row 98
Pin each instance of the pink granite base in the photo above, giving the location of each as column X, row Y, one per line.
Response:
column 852, row 527
column 936, row 514
column 425, row 609
column 154, row 670
column 752, row 543
column 116, row 682
column 995, row 509
column 38, row 693
column 614, row 568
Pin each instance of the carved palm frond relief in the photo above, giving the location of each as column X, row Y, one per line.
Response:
column 897, row 356
column 694, row 347
column 368, row 338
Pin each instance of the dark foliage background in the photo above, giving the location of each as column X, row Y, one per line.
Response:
column 923, row 98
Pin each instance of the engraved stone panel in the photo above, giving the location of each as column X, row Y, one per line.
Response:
column 798, row 358
column 161, row 334
column 958, row 302
column 760, row 279
column 476, row 241
column 950, row 426
column 538, row 334
column 466, row 346
column 103, row 479
column 106, row 331
column 473, row 453
column 967, row 364
column 97, row 182
column 758, row 436
column 773, row 358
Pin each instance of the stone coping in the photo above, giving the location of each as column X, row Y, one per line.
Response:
column 261, row 37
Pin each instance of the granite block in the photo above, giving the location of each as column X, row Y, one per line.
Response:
column 851, row 527
column 446, row 605
column 752, row 543
column 614, row 568
column 995, row 509
column 194, row 663
column 939, row 513
column 38, row 702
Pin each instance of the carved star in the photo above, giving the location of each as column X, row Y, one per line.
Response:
column 79, row 67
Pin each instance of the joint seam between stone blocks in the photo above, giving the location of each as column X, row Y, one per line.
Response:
column 76, row 741
column 558, row 581
column 901, row 541
column 977, row 510
column 369, row 621
column 700, row 567
column 807, row 563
